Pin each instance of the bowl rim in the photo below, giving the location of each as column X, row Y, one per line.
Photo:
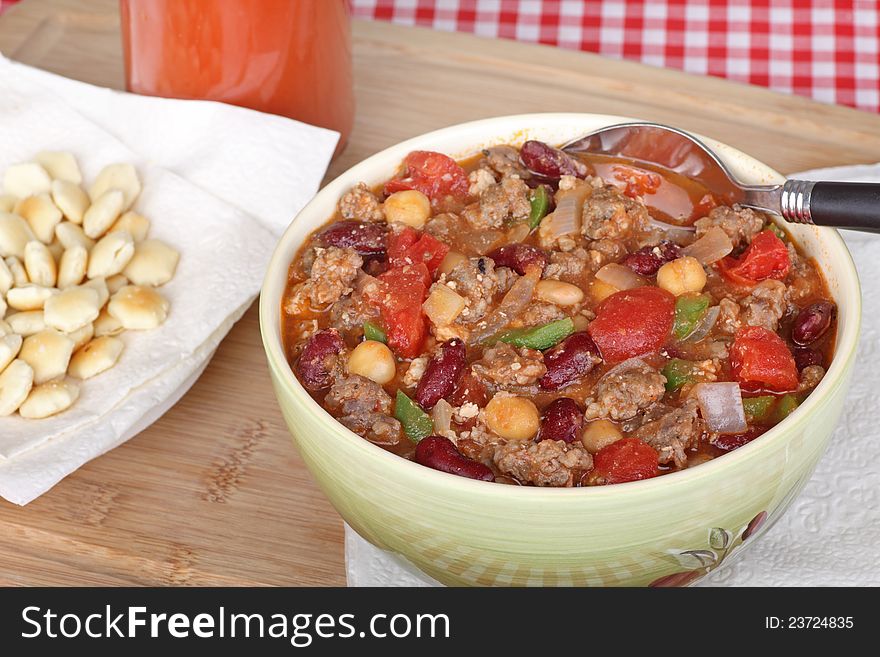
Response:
column 844, row 353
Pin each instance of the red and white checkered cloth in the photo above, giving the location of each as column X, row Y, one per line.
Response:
column 824, row 49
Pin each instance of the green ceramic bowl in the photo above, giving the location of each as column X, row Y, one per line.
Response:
column 669, row 530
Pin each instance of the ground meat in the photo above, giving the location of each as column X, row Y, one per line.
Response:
column 601, row 252
column 568, row 182
column 442, row 226
column 547, row 463
column 364, row 407
column 674, row 431
column 332, row 273
column 502, row 366
column 740, row 224
column 480, row 180
column 801, row 280
column 568, row 266
column 450, row 331
column 506, row 278
column 766, row 304
column 505, row 201
column 728, row 316
column 624, row 390
column 477, row 282
column 610, row 214
column 352, row 311
column 811, row 375
column 415, row 371
column 361, row 204
column 537, row 313
column 504, row 160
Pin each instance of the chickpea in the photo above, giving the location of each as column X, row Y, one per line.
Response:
column 600, row 290
column 682, row 275
column 452, row 260
column 598, row 434
column 513, row 418
column 409, row 207
column 559, row 293
column 373, row 360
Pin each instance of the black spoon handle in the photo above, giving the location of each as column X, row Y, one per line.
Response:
column 838, row 204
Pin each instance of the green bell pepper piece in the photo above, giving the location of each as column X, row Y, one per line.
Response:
column 689, row 311
column 758, row 408
column 785, row 407
column 678, row 372
column 539, row 337
column 416, row 423
column 373, row 332
column 540, row 201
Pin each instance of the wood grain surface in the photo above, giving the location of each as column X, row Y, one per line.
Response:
column 215, row 493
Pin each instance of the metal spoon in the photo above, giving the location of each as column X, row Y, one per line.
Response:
column 839, row 204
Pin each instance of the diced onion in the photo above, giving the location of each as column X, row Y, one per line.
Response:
column 620, row 276
column 673, row 233
column 441, row 416
column 483, row 241
column 711, row 247
column 517, row 233
column 443, row 305
column 721, row 407
column 565, row 219
column 625, row 366
column 511, row 306
column 705, row 326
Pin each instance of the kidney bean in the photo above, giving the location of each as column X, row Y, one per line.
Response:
column 550, row 162
column 442, row 373
column 366, row 239
column 804, row 357
column 519, row 257
column 812, row 322
column 315, row 364
column 562, row 420
column 571, row 359
column 647, row 260
column 439, row 453
column 469, row 390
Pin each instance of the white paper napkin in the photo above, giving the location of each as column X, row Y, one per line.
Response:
column 266, row 165
column 830, row 536
column 224, row 250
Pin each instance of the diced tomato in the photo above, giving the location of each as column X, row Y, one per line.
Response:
column 402, row 293
column 406, row 330
column 433, row 174
column 632, row 322
column 638, row 181
column 404, row 286
column 766, row 257
column 410, row 246
column 760, row 359
column 628, row 459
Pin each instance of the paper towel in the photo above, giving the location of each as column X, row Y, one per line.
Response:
column 267, row 166
column 830, row 536
column 224, row 250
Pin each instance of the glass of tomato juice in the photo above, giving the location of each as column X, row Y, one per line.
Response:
column 288, row 57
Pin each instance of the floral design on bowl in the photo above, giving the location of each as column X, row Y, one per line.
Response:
column 721, row 543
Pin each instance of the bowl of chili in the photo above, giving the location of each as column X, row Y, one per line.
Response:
column 636, row 529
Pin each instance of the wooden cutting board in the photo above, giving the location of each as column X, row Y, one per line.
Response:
column 214, row 493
